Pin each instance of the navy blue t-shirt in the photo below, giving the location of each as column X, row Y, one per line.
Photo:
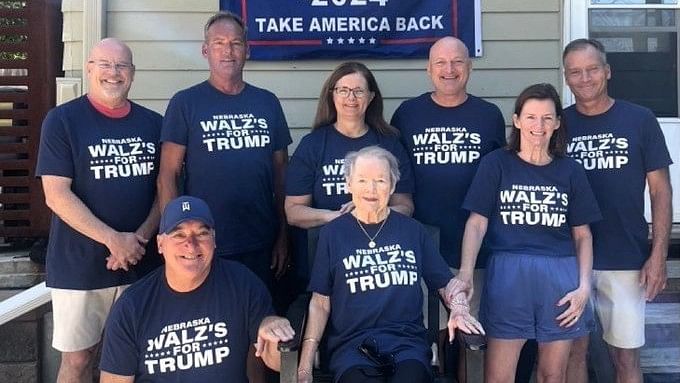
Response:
column 113, row 163
column 230, row 141
column 317, row 166
column 376, row 292
column 531, row 209
column 446, row 145
column 159, row 335
column 617, row 149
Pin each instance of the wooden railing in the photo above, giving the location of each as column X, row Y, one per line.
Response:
column 30, row 58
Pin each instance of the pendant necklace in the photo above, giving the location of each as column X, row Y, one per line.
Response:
column 371, row 240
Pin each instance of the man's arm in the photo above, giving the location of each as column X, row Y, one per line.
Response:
column 280, row 256
column 145, row 230
column 150, row 224
column 272, row 330
column 172, row 159
column 124, row 247
column 653, row 273
column 107, row 377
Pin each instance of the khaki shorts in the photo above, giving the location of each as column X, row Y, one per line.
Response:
column 619, row 301
column 478, row 281
column 80, row 315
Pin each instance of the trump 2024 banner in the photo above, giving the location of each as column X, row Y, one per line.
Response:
column 341, row 29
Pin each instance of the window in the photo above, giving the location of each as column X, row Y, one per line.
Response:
column 641, row 39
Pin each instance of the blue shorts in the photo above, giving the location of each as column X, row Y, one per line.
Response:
column 520, row 297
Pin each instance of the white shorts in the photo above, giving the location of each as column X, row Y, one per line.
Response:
column 619, row 301
column 80, row 315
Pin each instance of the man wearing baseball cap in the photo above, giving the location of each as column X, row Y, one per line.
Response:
column 194, row 318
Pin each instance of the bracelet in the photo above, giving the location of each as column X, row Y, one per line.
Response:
column 302, row 371
column 459, row 301
column 310, row 340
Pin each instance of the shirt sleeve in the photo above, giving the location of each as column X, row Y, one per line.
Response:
column 406, row 182
column 396, row 118
column 500, row 140
column 435, row 270
column 119, row 351
column 583, row 207
column 321, row 280
column 654, row 150
column 175, row 124
column 259, row 303
column 301, row 173
column 281, row 134
column 55, row 156
column 481, row 196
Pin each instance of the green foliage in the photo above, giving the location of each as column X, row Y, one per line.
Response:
column 12, row 4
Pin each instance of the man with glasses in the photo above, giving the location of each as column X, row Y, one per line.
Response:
column 195, row 318
column 622, row 148
column 97, row 161
column 447, row 132
column 231, row 138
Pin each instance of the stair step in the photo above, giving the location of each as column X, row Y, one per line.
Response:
column 663, row 335
column 660, row 359
column 662, row 313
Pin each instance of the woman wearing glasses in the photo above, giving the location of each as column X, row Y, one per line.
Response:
column 349, row 117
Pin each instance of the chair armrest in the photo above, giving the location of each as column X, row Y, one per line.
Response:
column 297, row 315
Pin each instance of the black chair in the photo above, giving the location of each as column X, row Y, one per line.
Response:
column 297, row 314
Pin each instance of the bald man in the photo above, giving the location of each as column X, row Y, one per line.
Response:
column 447, row 131
column 97, row 161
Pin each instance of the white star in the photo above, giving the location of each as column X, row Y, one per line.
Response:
column 371, row 40
column 350, row 40
column 329, row 41
column 362, row 40
column 341, row 40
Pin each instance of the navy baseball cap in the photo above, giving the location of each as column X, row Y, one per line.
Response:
column 183, row 209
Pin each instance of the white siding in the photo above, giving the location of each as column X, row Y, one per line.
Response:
column 521, row 46
column 72, row 36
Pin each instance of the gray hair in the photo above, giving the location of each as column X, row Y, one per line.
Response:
column 373, row 151
column 225, row 16
column 581, row 44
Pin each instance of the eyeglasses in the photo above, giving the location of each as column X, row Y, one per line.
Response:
column 345, row 92
column 383, row 362
column 107, row 65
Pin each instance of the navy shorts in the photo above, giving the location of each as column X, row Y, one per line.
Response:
column 520, row 297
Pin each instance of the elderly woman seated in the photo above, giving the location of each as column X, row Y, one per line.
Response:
column 366, row 284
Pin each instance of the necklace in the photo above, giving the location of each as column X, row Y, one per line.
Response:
column 371, row 240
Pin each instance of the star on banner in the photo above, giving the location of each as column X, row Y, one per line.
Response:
column 371, row 40
column 329, row 41
column 350, row 40
column 362, row 40
column 341, row 40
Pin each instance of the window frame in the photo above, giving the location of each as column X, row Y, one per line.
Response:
column 575, row 22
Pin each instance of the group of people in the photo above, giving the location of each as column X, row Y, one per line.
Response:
column 530, row 230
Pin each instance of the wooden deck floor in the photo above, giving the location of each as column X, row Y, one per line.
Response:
column 660, row 357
